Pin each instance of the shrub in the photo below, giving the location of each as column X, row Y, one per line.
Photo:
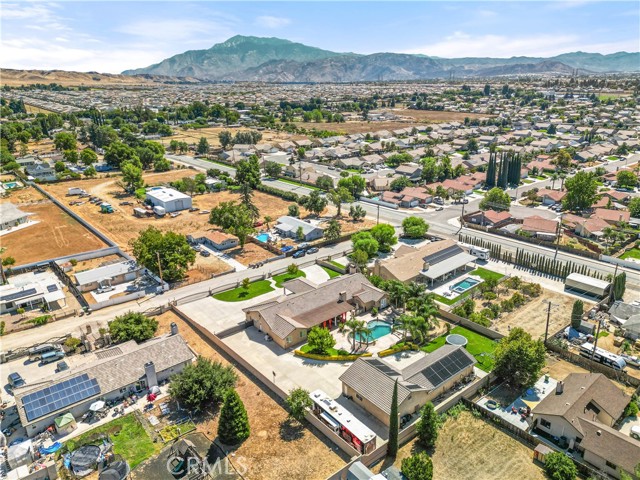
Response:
column 427, row 427
column 289, row 196
column 202, row 383
column 132, row 326
column 72, row 343
column 8, row 261
column 320, row 340
column 20, row 311
column 531, row 289
column 560, row 467
column 41, row 320
column 417, row 467
column 298, row 402
column 73, row 262
column 632, row 409
column 506, row 305
column 489, row 295
column 2, row 327
column 480, row 319
column 518, row 299
column 292, row 269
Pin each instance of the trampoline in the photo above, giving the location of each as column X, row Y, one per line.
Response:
column 455, row 339
column 84, row 459
column 116, row 471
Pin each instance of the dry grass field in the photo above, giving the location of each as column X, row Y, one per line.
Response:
column 559, row 369
column 274, row 450
column 469, row 448
column 211, row 134
column 434, row 116
column 56, row 234
column 122, row 227
column 532, row 316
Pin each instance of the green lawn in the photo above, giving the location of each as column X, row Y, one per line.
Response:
column 526, row 180
column 479, row 346
column 331, row 273
column 631, row 253
column 479, row 272
column 128, row 436
column 293, row 182
column 540, row 177
column 337, row 264
column 479, row 192
column 221, row 163
column 611, row 157
column 239, row 294
column 285, row 277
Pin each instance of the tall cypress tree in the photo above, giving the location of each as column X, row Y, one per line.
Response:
column 233, row 427
column 392, row 448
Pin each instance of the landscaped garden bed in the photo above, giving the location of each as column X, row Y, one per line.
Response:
column 479, row 346
column 171, row 432
column 240, row 294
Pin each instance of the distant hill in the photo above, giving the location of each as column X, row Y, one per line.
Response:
column 15, row 78
column 278, row 60
column 235, row 55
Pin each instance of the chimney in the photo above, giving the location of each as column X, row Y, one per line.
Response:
column 342, row 296
column 150, row 373
column 425, row 266
column 174, row 328
column 559, row 388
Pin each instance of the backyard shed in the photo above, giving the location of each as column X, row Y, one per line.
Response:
column 541, row 451
column 587, row 285
column 169, row 199
column 65, row 424
column 20, row 454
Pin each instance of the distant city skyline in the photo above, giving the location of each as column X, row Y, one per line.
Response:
column 114, row 36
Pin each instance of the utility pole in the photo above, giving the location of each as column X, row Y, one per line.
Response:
column 462, row 218
column 595, row 345
column 159, row 266
column 546, row 330
column 378, row 215
column 555, row 255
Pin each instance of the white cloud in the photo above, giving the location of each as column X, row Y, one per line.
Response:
column 461, row 44
column 267, row 21
column 174, row 30
column 41, row 16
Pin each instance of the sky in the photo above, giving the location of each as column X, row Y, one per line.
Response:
column 113, row 36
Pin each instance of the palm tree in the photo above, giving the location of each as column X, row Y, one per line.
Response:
column 267, row 220
column 554, row 178
column 607, row 233
column 397, row 292
column 562, row 177
column 419, row 329
column 426, row 308
column 413, row 292
column 353, row 325
column 403, row 322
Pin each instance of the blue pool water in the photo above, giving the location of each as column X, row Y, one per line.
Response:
column 464, row 285
column 378, row 329
column 263, row 237
column 9, row 185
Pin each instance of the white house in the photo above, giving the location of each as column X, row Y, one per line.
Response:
column 168, row 198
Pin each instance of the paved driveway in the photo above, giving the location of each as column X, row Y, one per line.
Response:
column 316, row 274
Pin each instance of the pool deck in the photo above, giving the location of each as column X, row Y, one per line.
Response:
column 539, row 391
column 445, row 289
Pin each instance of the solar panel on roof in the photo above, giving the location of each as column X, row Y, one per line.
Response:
column 17, row 295
column 58, row 396
column 443, row 255
column 52, row 288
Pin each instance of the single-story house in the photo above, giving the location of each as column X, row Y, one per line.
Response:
column 620, row 312
column 591, row 228
column 612, row 217
column 418, row 195
column 489, row 218
column 430, row 262
column 289, row 227
column 217, row 239
column 42, row 171
column 550, row 197
column 106, row 374
column 168, row 198
column 583, row 409
column 370, row 381
column 352, row 162
column 107, row 275
column 11, row 216
column 412, row 171
column 288, row 318
column 540, row 227
column 454, row 185
column 31, row 290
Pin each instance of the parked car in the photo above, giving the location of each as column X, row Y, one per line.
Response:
column 16, row 380
column 404, row 420
column 299, row 254
column 635, row 432
column 105, row 289
column 197, row 247
column 313, row 250
column 439, row 209
column 62, row 366
column 205, row 253
column 438, row 201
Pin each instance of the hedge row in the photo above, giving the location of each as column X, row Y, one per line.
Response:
column 290, row 196
column 330, row 358
column 394, row 350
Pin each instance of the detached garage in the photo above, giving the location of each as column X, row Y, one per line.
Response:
column 169, row 199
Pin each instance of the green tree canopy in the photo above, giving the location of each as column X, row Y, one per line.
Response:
column 576, row 314
column 582, row 190
column 496, row 199
column 233, row 218
column 298, row 402
column 398, row 159
column 427, row 427
column 320, row 340
column 202, row 383
column 365, row 242
column 626, row 179
column 519, row 359
column 339, row 196
column 400, row 183
column 634, row 207
column 333, row 230
column 417, row 467
column 355, row 184
column 88, row 156
column 560, row 467
column 131, row 176
column 248, row 171
column 132, row 326
column 203, row 146
column 273, row 169
column 65, row 141
column 233, row 427
column 385, row 235
column 325, row 182
column 118, row 153
column 357, row 212
column 414, row 227
column 170, row 249
column 314, row 203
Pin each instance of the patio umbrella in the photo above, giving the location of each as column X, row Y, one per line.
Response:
column 97, row 406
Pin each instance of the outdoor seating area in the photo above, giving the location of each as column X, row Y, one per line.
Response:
column 455, row 286
column 515, row 407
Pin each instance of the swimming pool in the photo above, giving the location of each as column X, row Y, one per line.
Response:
column 262, row 237
column 378, row 329
column 465, row 285
column 10, row 185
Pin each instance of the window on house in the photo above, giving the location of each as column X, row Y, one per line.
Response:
column 359, row 397
column 545, row 423
column 302, row 334
column 288, row 339
column 612, row 466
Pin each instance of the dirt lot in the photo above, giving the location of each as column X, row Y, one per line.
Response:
column 559, row 369
column 273, row 451
column 532, row 316
column 211, row 134
column 469, row 448
column 122, row 227
column 56, row 234
column 432, row 116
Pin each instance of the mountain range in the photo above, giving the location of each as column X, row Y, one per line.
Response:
column 243, row 58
